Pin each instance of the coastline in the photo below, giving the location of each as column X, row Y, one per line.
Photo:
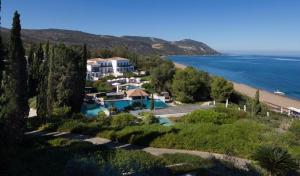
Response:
column 275, row 101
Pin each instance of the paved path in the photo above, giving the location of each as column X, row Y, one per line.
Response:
column 237, row 162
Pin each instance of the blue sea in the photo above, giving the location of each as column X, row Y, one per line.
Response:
column 270, row 73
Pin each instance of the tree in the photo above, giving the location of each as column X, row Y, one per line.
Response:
column 16, row 108
column 31, row 68
column 79, row 92
column 162, row 75
column 152, row 104
column 42, row 84
column 2, row 56
column 256, row 104
column 221, row 89
column 275, row 160
column 190, row 85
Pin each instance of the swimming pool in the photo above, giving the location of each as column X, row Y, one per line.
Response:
column 121, row 104
column 164, row 121
column 91, row 110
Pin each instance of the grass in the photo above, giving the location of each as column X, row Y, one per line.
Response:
column 48, row 155
column 219, row 130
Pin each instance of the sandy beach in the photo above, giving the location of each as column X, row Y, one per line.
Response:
column 265, row 96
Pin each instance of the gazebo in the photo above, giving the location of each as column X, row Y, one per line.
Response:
column 137, row 94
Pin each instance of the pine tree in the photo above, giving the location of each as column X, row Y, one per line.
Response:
column 256, row 104
column 15, row 91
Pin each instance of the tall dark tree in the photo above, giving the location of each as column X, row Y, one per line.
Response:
column 35, row 59
column 52, row 80
column 16, row 105
column 256, row 104
column 78, row 95
column 30, row 67
column 2, row 54
column 42, row 82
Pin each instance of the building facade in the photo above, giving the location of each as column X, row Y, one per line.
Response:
column 98, row 67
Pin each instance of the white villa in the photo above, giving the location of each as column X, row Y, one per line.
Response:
column 98, row 67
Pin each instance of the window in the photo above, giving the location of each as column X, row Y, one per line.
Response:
column 95, row 69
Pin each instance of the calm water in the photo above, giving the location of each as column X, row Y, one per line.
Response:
column 94, row 109
column 264, row 72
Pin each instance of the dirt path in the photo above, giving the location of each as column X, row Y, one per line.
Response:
column 237, row 162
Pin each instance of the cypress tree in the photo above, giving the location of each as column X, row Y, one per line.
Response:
column 51, row 83
column 256, row 104
column 30, row 68
column 16, row 105
column 79, row 81
column 1, row 54
column 42, row 82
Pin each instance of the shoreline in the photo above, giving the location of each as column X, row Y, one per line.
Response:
column 276, row 101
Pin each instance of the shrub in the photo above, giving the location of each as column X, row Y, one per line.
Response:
column 295, row 128
column 59, row 142
column 61, row 112
column 149, row 118
column 70, row 125
column 206, row 116
column 82, row 167
column 122, row 120
column 275, row 160
column 32, row 102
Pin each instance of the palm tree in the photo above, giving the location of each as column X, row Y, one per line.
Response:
column 275, row 160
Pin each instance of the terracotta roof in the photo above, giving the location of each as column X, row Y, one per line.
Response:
column 136, row 93
column 108, row 59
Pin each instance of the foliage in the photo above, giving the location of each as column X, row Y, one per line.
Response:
column 275, row 160
column 81, row 167
column 148, row 87
column 66, row 77
column 190, row 85
column 43, row 85
column 149, row 118
column 162, row 75
column 256, row 107
column 207, row 116
column 295, row 128
column 221, row 89
column 32, row 102
column 122, row 120
column 61, row 112
column 103, row 86
column 14, row 104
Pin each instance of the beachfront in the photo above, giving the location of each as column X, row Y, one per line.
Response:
column 269, row 98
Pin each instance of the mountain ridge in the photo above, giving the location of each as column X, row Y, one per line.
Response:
column 138, row 44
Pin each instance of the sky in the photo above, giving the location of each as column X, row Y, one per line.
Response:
column 225, row 25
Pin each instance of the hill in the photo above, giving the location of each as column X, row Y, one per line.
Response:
column 141, row 45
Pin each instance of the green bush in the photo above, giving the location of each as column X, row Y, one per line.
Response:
column 82, row 167
column 206, row 116
column 70, row 125
column 122, row 120
column 295, row 128
column 61, row 112
column 275, row 160
column 32, row 102
column 149, row 118
column 59, row 142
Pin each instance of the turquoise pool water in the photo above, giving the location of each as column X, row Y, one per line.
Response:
column 164, row 121
column 94, row 109
column 121, row 104
column 91, row 110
